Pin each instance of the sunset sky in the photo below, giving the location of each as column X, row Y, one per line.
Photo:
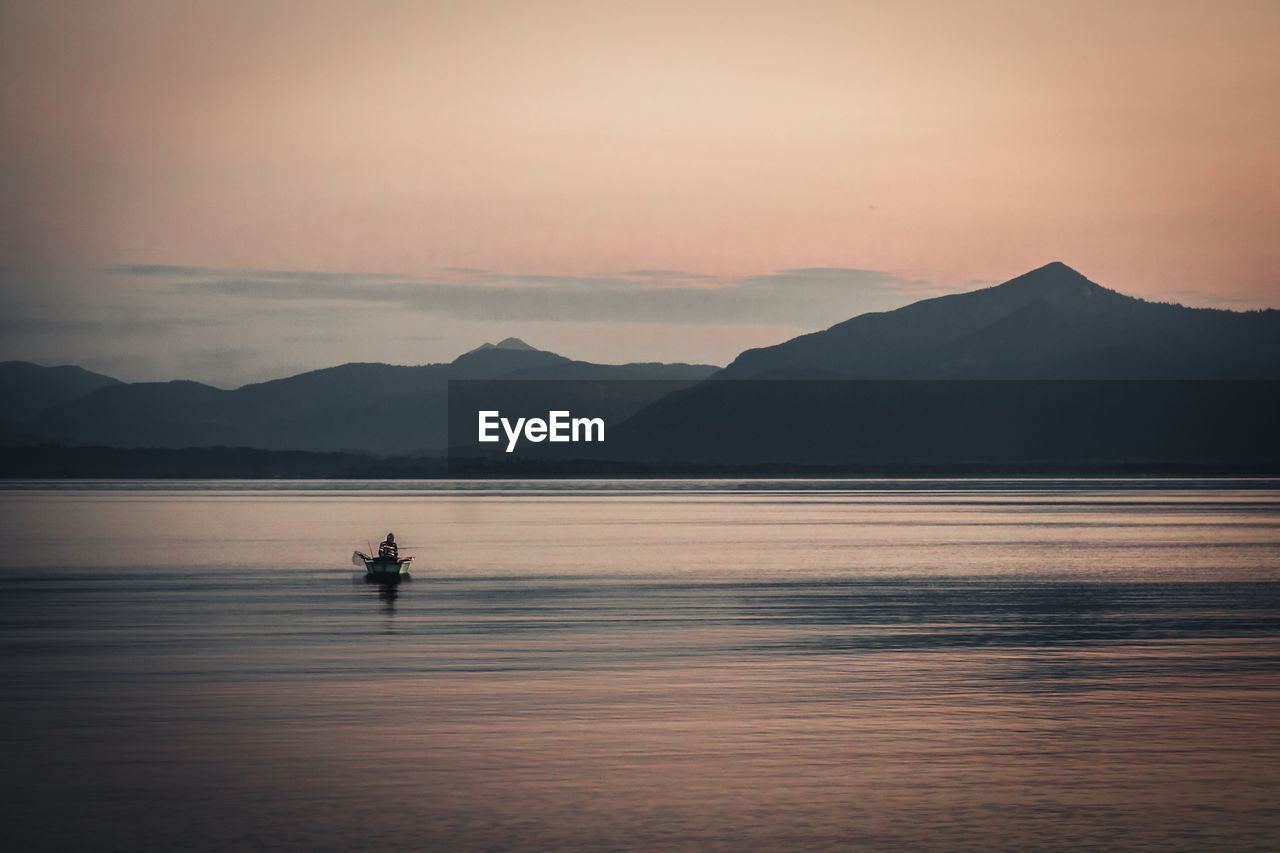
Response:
column 232, row 191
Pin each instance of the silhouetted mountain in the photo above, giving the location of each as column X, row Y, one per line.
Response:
column 492, row 362
column 27, row 389
column 1052, row 323
column 365, row 408
column 506, row 343
column 1057, row 371
column 139, row 414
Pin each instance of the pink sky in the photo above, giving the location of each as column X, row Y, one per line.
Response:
column 946, row 142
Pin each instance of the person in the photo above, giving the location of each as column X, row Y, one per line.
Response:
column 388, row 550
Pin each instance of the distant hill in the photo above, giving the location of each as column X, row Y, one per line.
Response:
column 514, row 359
column 360, row 408
column 507, row 344
column 1051, row 323
column 27, row 389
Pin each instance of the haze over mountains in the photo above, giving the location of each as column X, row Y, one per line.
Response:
column 1049, row 324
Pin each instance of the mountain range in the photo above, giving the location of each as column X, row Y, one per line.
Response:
column 379, row 409
column 1049, row 324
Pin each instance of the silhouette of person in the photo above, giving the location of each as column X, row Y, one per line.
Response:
column 388, row 550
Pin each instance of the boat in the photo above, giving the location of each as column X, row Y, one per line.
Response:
column 382, row 568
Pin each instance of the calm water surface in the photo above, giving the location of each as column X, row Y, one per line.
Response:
column 709, row 665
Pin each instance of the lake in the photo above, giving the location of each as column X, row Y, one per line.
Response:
column 642, row 665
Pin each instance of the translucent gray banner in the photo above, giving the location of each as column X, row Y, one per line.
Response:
column 815, row 426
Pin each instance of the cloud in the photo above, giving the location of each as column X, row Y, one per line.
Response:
column 35, row 325
column 665, row 274
column 802, row 298
column 230, row 326
column 216, row 361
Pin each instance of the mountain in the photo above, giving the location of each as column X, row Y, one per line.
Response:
column 1051, row 323
column 26, row 388
column 1126, row 390
column 366, row 408
column 514, row 359
column 508, row 344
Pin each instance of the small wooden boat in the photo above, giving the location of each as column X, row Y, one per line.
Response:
column 382, row 567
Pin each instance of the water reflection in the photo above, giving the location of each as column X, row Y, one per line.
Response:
column 957, row 613
column 387, row 586
column 669, row 667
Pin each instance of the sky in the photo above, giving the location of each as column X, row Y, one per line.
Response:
column 239, row 190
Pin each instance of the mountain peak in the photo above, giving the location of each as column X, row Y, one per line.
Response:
column 1054, row 279
column 1057, row 266
column 507, row 344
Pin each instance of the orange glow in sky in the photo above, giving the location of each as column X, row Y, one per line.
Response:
column 953, row 142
